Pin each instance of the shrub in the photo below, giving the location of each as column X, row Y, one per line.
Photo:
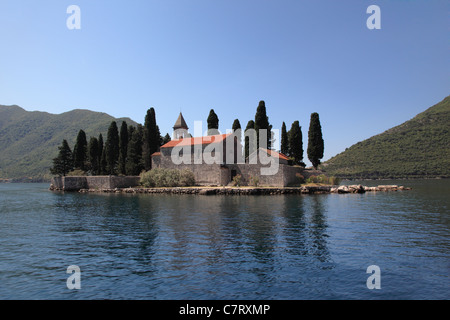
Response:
column 254, row 181
column 167, row 178
column 187, row 177
column 323, row 179
column 312, row 179
column 76, row 173
column 237, row 180
column 335, row 180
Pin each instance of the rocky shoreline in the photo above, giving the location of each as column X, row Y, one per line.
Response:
column 247, row 190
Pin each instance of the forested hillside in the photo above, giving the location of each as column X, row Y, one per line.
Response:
column 418, row 148
column 29, row 140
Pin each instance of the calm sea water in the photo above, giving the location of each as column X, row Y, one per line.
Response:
column 225, row 247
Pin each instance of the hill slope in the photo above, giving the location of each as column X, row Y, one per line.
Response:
column 417, row 148
column 30, row 140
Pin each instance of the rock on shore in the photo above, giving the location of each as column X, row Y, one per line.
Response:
column 249, row 190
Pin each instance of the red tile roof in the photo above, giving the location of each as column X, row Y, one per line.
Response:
column 196, row 141
column 275, row 154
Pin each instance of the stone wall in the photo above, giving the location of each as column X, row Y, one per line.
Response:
column 285, row 176
column 218, row 174
column 312, row 172
column 205, row 174
column 93, row 182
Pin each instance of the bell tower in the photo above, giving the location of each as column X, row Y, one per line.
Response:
column 180, row 129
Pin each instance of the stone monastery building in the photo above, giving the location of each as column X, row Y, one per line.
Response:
column 217, row 159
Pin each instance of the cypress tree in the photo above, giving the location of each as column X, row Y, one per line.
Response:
column 213, row 123
column 296, row 142
column 80, row 151
column 111, row 149
column 103, row 163
column 130, row 132
column 123, row 144
column 63, row 163
column 250, row 125
column 101, row 157
column 134, row 164
column 94, row 155
column 159, row 140
column 262, row 123
column 236, row 126
column 284, row 140
column 151, row 138
column 315, row 141
column 166, row 138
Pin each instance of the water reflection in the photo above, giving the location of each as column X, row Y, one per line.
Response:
column 319, row 229
column 223, row 247
column 178, row 236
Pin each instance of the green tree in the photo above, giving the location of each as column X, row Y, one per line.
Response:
column 80, row 151
column 104, row 163
column 94, row 155
column 296, row 142
column 63, row 163
column 112, row 148
column 151, row 138
column 135, row 164
column 262, row 123
column 130, row 132
column 160, row 139
column 123, row 144
column 101, row 155
column 284, row 140
column 236, row 126
column 250, row 125
column 315, row 141
column 166, row 138
column 213, row 123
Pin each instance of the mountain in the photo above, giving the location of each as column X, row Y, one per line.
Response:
column 418, row 148
column 30, row 140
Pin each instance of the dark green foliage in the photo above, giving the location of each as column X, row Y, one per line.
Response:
column 262, row 123
column 315, row 140
column 94, row 156
column 101, row 156
column 135, row 164
column 250, row 125
column 103, row 163
column 296, row 143
column 166, row 139
column 80, row 151
column 63, row 163
column 123, row 144
column 284, row 140
column 131, row 129
column 237, row 126
column 323, row 180
column 213, row 123
column 29, row 140
column 160, row 139
column 112, row 149
column 417, row 148
column 151, row 138
column 161, row 177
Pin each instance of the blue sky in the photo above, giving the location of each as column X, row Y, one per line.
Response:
column 298, row 56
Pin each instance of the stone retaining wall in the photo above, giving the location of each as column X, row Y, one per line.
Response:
column 93, row 182
column 247, row 190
